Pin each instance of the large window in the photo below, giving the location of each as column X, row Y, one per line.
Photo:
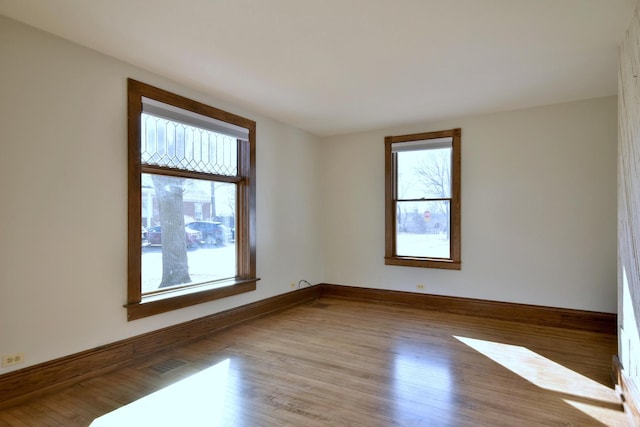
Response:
column 422, row 219
column 191, row 202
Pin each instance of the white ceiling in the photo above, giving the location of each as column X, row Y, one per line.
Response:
column 340, row 66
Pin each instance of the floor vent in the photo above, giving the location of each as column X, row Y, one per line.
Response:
column 167, row 366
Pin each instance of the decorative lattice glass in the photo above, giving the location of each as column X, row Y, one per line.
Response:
column 177, row 145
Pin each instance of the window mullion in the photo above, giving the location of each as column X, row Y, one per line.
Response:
column 162, row 170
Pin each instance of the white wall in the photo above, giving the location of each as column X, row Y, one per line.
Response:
column 63, row 200
column 538, row 208
column 629, row 202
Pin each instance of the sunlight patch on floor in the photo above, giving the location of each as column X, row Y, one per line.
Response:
column 572, row 387
column 606, row 416
column 194, row 401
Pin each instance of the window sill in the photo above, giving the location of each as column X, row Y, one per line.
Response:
column 161, row 303
column 424, row 262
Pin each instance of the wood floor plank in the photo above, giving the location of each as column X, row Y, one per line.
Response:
column 336, row 362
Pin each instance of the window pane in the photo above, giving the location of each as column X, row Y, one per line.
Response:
column 423, row 229
column 188, row 234
column 424, row 174
column 177, row 145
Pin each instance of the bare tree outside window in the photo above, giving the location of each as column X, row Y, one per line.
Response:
column 175, row 265
column 434, row 175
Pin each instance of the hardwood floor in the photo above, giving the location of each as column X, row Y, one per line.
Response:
column 336, row 362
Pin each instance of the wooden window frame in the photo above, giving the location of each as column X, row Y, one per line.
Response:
column 246, row 279
column 391, row 257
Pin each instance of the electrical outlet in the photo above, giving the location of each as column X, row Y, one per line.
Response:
column 12, row 359
column 420, row 287
column 293, row 285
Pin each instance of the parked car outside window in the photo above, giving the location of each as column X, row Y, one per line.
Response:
column 192, row 237
column 213, row 233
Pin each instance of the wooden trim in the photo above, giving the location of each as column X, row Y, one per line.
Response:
column 629, row 392
column 456, row 209
column 21, row 385
column 183, row 173
column 390, row 177
column 531, row 314
column 143, row 309
column 134, row 201
column 423, row 262
column 425, row 135
column 185, row 103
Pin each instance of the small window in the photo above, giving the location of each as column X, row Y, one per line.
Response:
column 422, row 219
column 191, row 202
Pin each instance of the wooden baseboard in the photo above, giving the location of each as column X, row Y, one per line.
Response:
column 21, row 385
column 629, row 392
column 531, row 314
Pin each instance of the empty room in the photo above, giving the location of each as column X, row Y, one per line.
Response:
column 320, row 213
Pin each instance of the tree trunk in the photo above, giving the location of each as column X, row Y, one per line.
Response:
column 175, row 266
